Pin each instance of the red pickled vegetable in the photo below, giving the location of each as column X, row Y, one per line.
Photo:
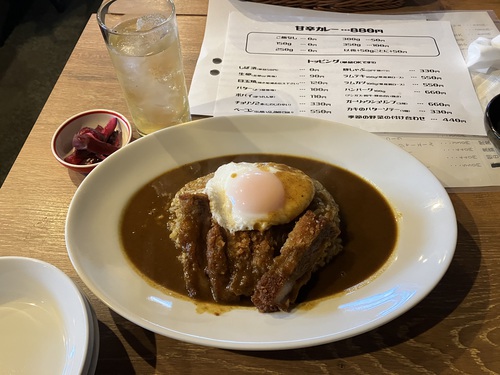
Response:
column 93, row 132
column 93, row 145
column 109, row 128
column 75, row 157
column 115, row 139
column 81, row 157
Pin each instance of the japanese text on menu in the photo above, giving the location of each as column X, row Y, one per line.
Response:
column 382, row 77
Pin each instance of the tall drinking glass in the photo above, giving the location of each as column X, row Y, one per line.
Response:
column 143, row 41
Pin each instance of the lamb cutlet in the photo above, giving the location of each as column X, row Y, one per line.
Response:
column 300, row 256
column 237, row 261
column 269, row 266
column 195, row 212
column 312, row 243
column 227, row 264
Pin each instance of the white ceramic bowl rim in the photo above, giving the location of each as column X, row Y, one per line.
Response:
column 58, row 294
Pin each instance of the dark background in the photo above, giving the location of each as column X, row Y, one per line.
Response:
column 36, row 39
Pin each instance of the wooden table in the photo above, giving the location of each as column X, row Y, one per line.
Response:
column 456, row 329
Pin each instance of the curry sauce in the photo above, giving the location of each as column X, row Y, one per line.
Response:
column 368, row 224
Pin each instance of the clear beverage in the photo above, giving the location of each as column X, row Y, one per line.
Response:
column 147, row 58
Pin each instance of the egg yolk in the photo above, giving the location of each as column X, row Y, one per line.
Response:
column 256, row 192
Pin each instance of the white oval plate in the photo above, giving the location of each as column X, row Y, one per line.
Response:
column 425, row 247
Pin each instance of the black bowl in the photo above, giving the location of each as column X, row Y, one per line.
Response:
column 492, row 122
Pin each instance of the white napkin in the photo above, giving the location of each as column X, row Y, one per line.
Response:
column 484, row 54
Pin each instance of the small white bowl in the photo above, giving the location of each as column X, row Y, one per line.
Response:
column 63, row 137
column 44, row 320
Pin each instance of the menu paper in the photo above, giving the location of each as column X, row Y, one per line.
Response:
column 458, row 161
column 203, row 91
column 402, row 77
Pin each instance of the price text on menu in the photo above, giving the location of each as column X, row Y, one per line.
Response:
column 392, row 77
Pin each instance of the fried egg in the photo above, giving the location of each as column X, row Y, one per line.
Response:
column 247, row 196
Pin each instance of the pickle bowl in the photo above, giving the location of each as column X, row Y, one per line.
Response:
column 97, row 133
